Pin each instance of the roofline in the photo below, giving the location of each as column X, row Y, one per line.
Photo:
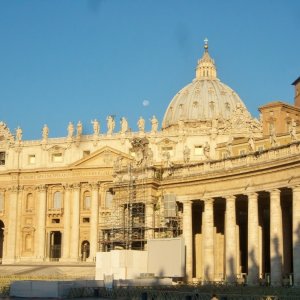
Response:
column 296, row 81
column 279, row 103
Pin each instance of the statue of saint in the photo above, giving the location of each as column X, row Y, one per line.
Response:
column 141, row 124
column 110, row 124
column 96, row 126
column 19, row 133
column 251, row 144
column 186, row 154
column 79, row 128
column 292, row 130
column 124, row 125
column 45, row 132
column 206, row 150
column 70, row 129
column 273, row 137
column 154, row 124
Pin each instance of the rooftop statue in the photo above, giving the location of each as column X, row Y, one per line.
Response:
column 70, row 130
column 96, row 126
column 124, row 125
column 19, row 133
column 45, row 132
column 141, row 124
column 110, row 124
column 154, row 124
column 79, row 128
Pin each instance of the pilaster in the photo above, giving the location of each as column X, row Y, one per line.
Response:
column 41, row 222
column 74, row 251
column 94, row 221
column 67, row 222
column 12, row 225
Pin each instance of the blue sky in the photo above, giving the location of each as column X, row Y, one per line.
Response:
column 74, row 60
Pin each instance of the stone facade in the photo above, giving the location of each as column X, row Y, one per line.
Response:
column 228, row 183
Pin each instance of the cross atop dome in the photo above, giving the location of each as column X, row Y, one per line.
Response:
column 206, row 44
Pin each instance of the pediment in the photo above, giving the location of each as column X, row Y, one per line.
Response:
column 104, row 157
column 166, row 142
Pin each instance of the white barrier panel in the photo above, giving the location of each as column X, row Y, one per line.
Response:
column 121, row 264
column 166, row 257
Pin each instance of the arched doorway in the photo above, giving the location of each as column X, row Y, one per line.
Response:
column 1, row 240
column 85, row 250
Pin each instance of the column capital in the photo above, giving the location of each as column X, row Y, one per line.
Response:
column 230, row 198
column 252, row 195
column 68, row 186
column 41, row 188
column 76, row 186
column 275, row 192
column 184, row 199
column 94, row 185
column 296, row 188
column 208, row 201
column 15, row 188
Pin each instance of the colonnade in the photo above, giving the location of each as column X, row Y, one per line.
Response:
column 272, row 240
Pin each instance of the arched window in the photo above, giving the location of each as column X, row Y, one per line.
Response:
column 29, row 202
column 57, row 200
column 86, row 200
column 1, row 202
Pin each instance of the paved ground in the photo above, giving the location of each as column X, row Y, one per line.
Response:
column 54, row 269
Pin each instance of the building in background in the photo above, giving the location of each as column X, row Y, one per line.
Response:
column 225, row 181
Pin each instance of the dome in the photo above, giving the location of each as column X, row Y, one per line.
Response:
column 205, row 98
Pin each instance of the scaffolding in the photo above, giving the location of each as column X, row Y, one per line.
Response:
column 123, row 224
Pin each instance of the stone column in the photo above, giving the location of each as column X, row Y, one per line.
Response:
column 230, row 239
column 208, row 240
column 67, row 223
column 12, row 225
column 296, row 234
column 276, row 243
column 74, row 244
column 41, row 222
column 94, row 222
column 149, row 215
column 253, row 240
column 188, row 238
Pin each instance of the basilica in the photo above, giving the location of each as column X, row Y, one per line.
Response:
column 226, row 182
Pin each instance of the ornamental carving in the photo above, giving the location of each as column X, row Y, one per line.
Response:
column 242, row 121
column 5, row 134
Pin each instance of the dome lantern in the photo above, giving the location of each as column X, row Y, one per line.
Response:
column 206, row 68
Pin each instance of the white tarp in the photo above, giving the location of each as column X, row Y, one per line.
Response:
column 166, row 257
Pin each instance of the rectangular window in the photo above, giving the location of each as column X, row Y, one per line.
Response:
column 56, row 221
column 260, row 148
column 85, row 220
column 57, row 157
column 86, row 153
column 108, row 199
column 31, row 159
column 2, row 158
column 198, row 150
column 168, row 149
